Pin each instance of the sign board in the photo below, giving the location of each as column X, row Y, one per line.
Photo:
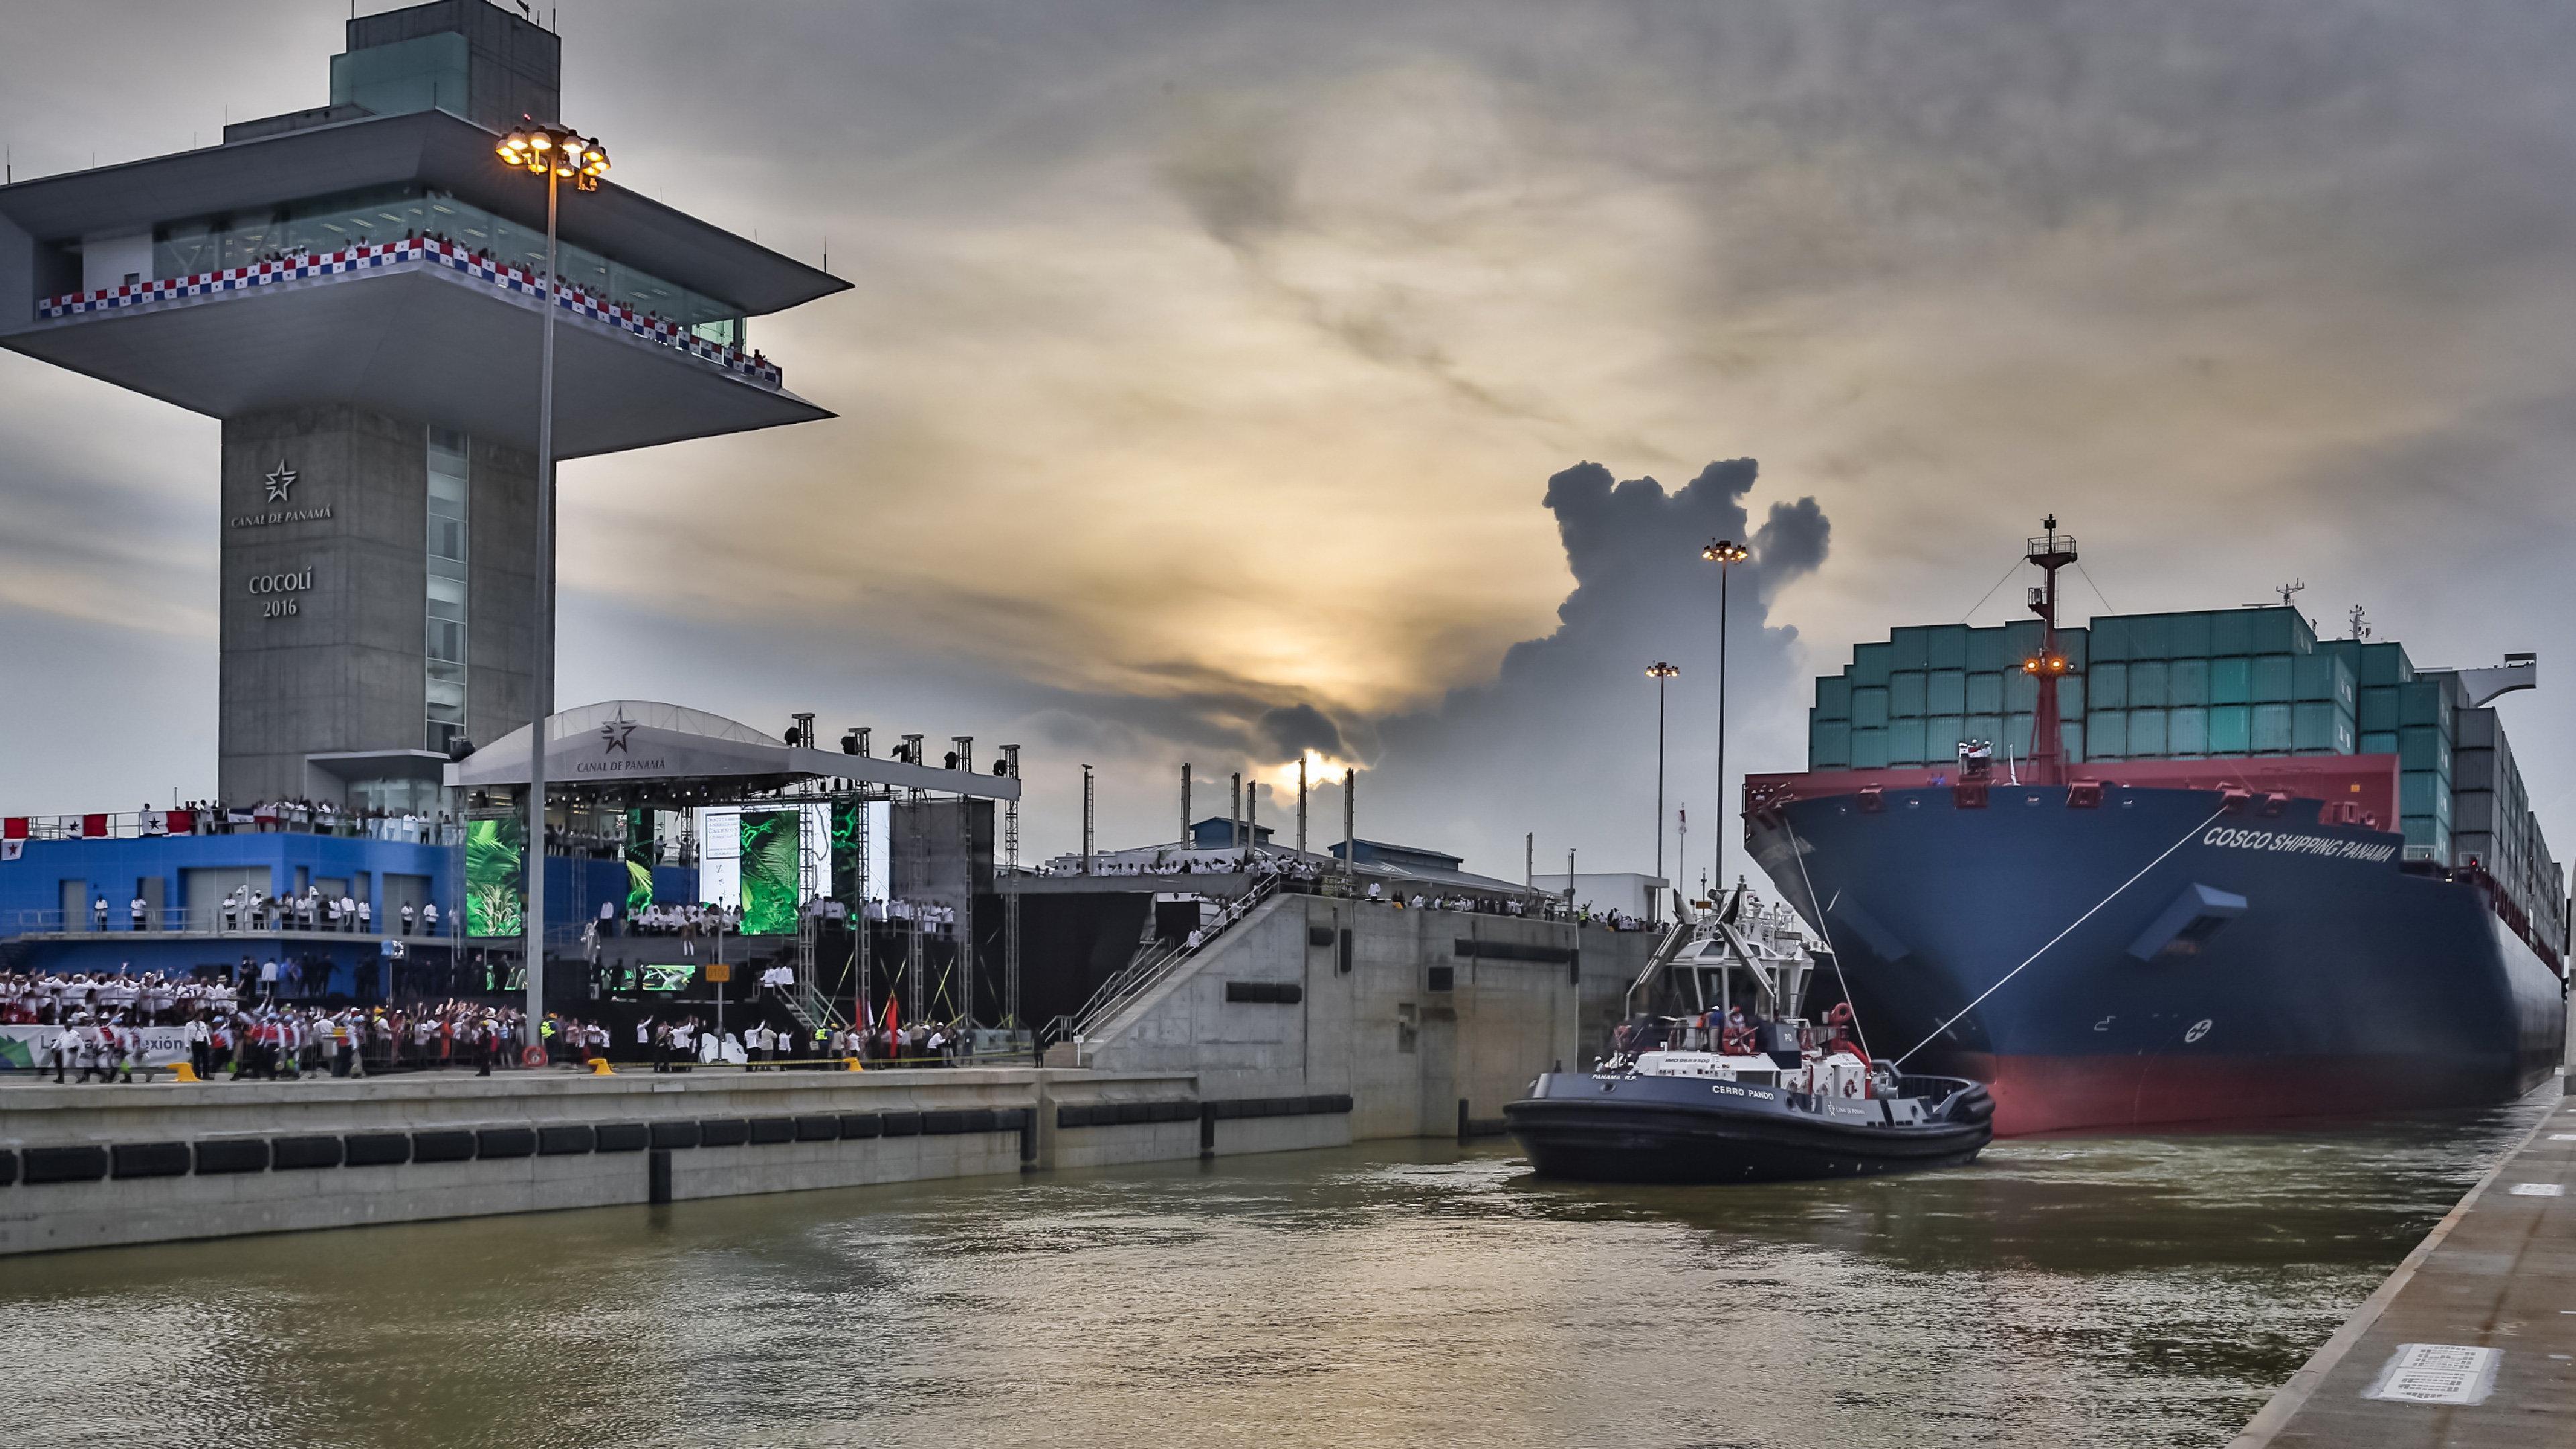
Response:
column 719, row 971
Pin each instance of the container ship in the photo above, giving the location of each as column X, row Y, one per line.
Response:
column 2170, row 869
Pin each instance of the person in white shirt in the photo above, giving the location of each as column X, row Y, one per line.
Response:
column 407, row 917
column 134, row 911
column 366, row 919
column 429, row 919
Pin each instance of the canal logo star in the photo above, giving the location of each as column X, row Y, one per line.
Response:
column 279, row 481
column 612, row 735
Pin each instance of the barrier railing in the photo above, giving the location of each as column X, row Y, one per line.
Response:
column 428, row 251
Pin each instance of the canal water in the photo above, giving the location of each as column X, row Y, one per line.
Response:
column 2099, row 1291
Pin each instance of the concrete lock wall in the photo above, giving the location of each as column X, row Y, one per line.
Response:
column 97, row 1167
column 1437, row 1007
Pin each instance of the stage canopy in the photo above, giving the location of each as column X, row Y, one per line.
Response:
column 622, row 742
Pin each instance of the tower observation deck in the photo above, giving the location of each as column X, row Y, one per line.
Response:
column 356, row 292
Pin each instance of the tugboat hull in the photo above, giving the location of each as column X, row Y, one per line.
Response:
column 1693, row 1130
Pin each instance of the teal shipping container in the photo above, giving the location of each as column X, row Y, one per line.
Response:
column 2231, row 729
column 1869, row 666
column 2146, row 734
column 2108, row 687
column 2425, row 702
column 2187, row 682
column 1985, row 694
column 2324, row 677
column 2231, row 680
column 1905, row 694
column 1868, row 749
column 2422, row 747
column 2320, row 727
column 2379, row 708
column 2021, row 693
column 2385, row 664
column 1833, row 697
column 1905, row 741
column 1910, row 647
column 2383, row 742
column 2187, row 731
column 1828, row 744
column 1869, row 708
column 1945, row 691
column 2272, row 728
column 2148, row 684
column 1946, row 646
column 2273, row 679
column 2107, row 734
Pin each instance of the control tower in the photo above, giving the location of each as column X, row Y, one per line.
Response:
column 356, row 292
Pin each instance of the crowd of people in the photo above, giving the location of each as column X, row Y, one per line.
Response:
column 92, row 1034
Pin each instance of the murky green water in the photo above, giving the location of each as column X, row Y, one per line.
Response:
column 2105, row 1291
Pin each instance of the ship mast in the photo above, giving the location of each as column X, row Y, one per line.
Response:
column 2052, row 551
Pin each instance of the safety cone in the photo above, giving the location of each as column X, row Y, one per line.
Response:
column 599, row 1067
column 184, row 1072
column 854, row 1064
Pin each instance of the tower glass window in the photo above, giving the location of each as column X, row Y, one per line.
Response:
column 450, row 485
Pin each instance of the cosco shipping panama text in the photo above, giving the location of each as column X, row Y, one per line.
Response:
column 2303, row 844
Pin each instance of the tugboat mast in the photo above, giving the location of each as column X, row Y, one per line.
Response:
column 2051, row 551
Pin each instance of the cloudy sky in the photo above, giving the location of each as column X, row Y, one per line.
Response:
column 1225, row 380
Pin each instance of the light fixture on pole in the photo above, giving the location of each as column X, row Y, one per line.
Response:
column 559, row 155
column 1726, row 553
column 1663, row 674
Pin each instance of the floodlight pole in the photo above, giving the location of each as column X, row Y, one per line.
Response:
column 542, row 668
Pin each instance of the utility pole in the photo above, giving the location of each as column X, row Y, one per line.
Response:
column 1726, row 553
column 1234, row 815
column 1529, row 860
column 1186, row 841
column 1569, row 875
column 1350, row 817
column 1086, row 820
column 1011, row 902
column 1301, row 804
column 1663, row 674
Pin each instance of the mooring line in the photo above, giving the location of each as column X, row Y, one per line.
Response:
column 1800, row 851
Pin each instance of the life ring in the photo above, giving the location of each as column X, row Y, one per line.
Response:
column 1854, row 1086
column 1736, row 1041
column 534, row 1056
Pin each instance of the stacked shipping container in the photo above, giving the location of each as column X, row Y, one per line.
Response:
column 2217, row 684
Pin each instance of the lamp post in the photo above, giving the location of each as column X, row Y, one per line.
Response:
column 558, row 154
column 1663, row 674
column 1725, row 553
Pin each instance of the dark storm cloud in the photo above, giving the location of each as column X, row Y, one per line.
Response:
column 1562, row 741
column 1295, row 729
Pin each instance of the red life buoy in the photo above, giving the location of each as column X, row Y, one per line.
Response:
column 534, row 1056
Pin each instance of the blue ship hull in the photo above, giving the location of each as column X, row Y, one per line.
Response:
column 2257, row 966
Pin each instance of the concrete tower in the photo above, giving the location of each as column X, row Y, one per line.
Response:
column 354, row 291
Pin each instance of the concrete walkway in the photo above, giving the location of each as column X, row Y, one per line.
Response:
column 2471, row 1343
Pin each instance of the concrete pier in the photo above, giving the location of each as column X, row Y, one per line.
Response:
column 2471, row 1343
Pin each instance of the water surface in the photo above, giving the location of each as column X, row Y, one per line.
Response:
column 2101, row 1291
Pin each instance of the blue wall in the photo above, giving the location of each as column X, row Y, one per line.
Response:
column 110, row 868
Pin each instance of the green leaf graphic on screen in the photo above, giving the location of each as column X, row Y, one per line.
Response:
column 494, row 905
column 639, row 887
column 770, row 873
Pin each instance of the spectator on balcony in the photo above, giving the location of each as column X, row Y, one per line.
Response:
column 134, row 913
column 366, row 919
column 429, row 919
column 98, row 914
column 407, row 917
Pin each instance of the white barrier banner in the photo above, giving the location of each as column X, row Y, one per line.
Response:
column 27, row 1047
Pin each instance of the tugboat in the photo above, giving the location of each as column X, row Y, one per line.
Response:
column 1715, row 1078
